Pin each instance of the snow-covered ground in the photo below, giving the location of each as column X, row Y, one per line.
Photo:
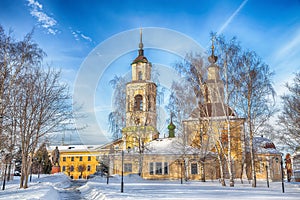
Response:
column 58, row 186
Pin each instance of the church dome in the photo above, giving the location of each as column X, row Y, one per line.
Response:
column 141, row 58
column 171, row 126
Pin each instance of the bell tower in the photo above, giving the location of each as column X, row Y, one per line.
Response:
column 141, row 114
column 214, row 86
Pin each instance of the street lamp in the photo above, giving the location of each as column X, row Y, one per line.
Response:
column 122, row 180
column 108, row 167
column 281, row 165
column 181, row 172
column 267, row 172
column 178, row 162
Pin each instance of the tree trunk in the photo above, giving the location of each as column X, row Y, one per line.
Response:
column 229, row 159
column 222, row 179
column 253, row 172
column 202, row 167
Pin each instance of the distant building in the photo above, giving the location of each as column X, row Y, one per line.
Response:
column 78, row 161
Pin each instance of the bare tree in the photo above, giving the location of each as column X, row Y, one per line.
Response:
column 229, row 53
column 188, row 100
column 45, row 104
column 253, row 79
column 34, row 102
column 81, row 168
column 289, row 118
column 117, row 118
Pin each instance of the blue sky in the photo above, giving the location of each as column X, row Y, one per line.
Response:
column 69, row 30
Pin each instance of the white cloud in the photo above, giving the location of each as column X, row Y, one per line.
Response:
column 36, row 10
column 35, row 4
column 78, row 35
column 86, row 37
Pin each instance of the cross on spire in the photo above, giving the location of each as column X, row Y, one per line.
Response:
column 141, row 51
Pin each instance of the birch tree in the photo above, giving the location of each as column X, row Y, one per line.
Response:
column 229, row 52
column 117, row 118
column 253, row 79
column 289, row 119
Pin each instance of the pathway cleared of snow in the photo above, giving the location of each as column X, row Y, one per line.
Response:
column 72, row 192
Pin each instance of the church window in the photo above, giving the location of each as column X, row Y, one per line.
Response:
column 64, row 168
column 71, row 168
column 138, row 103
column 127, row 167
column 140, row 76
column 166, row 168
column 149, row 102
column 80, row 158
column 89, row 158
column 158, row 168
column 88, row 168
column 194, row 168
column 151, row 166
column 64, row 159
column 72, row 158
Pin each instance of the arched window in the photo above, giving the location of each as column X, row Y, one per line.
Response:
column 138, row 103
column 140, row 76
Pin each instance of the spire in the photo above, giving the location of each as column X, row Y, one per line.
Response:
column 212, row 58
column 141, row 51
column 140, row 57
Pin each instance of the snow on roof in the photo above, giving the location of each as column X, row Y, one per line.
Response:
column 75, row 148
column 263, row 145
column 169, row 146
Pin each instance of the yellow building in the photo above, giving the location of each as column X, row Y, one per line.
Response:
column 78, row 161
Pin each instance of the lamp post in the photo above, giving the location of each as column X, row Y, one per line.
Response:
column 30, row 174
column 282, row 174
column 122, row 180
column 282, row 183
column 108, row 167
column 267, row 172
column 181, row 181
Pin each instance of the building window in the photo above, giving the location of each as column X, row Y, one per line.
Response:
column 63, row 168
column 158, row 168
column 151, row 168
column 72, row 158
column 89, row 158
column 138, row 103
column 71, row 168
column 64, row 159
column 88, row 168
column 140, row 76
column 194, row 168
column 127, row 167
column 80, row 158
column 166, row 168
